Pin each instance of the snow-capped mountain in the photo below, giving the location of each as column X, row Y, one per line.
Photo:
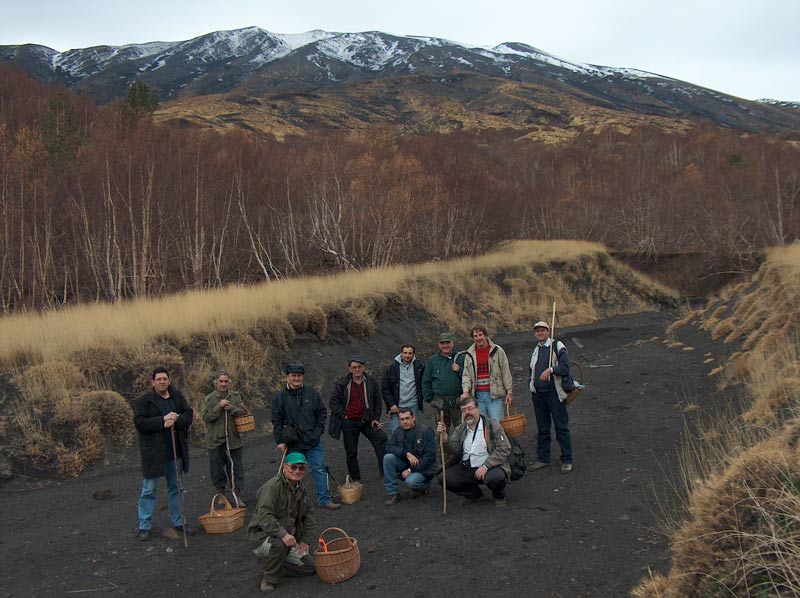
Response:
column 255, row 62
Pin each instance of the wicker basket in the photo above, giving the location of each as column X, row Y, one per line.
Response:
column 515, row 424
column 581, row 379
column 245, row 423
column 337, row 560
column 350, row 491
column 223, row 521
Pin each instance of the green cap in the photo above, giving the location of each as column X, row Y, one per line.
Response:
column 295, row 458
column 445, row 336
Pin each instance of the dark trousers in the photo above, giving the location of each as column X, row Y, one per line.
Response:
column 462, row 481
column 351, row 430
column 220, row 467
column 275, row 565
column 448, row 406
column 547, row 406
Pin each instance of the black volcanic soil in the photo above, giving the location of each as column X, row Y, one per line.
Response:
column 590, row 533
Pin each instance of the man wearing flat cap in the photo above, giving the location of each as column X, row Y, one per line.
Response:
column 356, row 400
column 282, row 528
column 441, row 381
column 298, row 422
column 549, row 369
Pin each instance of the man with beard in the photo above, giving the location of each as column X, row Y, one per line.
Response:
column 298, row 422
column 477, row 453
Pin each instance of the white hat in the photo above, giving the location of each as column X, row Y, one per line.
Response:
column 541, row 324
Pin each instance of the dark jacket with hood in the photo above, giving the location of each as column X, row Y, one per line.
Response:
column 298, row 417
column 390, row 385
column 155, row 444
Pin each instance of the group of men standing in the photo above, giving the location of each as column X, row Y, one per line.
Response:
column 469, row 391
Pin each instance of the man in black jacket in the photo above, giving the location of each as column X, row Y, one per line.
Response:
column 298, row 421
column 357, row 401
column 410, row 455
column 162, row 417
column 402, row 385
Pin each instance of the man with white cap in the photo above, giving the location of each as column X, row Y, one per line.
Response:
column 546, row 372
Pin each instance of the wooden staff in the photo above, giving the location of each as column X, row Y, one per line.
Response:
column 180, row 486
column 283, row 458
column 552, row 330
column 444, row 468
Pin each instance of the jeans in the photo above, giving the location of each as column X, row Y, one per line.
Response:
column 492, row 408
column 392, row 465
column 351, row 429
column 147, row 499
column 316, row 464
column 221, row 466
column 394, row 418
column 546, row 406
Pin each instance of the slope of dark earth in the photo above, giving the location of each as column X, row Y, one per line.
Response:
column 591, row 533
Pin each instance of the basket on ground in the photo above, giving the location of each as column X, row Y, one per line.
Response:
column 222, row 521
column 515, row 424
column 337, row 560
column 350, row 491
column 245, row 423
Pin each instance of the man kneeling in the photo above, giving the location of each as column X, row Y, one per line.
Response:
column 477, row 454
column 283, row 525
column 410, row 454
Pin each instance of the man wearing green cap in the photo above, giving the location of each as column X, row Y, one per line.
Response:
column 441, row 382
column 282, row 528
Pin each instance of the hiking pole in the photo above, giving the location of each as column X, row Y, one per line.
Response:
column 230, row 460
column 444, row 469
column 552, row 331
column 180, row 485
column 283, row 458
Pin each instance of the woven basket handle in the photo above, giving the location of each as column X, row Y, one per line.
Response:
column 510, row 410
column 214, row 501
column 348, row 480
column 338, row 529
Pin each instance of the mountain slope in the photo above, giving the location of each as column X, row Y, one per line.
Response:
column 343, row 79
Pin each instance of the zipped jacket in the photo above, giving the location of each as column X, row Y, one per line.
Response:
column 500, row 380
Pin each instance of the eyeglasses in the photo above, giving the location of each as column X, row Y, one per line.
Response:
column 296, row 466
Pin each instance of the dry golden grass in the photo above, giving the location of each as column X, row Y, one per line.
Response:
column 691, row 315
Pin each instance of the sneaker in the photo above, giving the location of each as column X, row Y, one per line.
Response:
column 500, row 502
column 266, row 586
column 189, row 530
column 392, row 500
column 566, row 467
column 537, row 465
column 143, row 535
column 332, row 506
column 471, row 500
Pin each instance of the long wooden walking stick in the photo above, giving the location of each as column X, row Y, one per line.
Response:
column 552, row 331
column 283, row 458
column 444, row 468
column 180, row 485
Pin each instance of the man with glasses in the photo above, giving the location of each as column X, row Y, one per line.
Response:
column 356, row 399
column 477, row 453
column 441, row 382
column 298, row 422
column 282, row 528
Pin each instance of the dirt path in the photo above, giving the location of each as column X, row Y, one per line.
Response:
column 591, row 533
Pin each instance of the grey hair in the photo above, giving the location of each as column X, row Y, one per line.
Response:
column 221, row 373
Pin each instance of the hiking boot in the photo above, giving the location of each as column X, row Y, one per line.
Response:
column 566, row 467
column 266, row 586
column 392, row 500
column 189, row 530
column 332, row 506
column 499, row 502
column 143, row 535
column 470, row 500
column 425, row 492
column 237, row 500
column 537, row 465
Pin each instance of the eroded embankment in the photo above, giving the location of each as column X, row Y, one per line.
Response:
column 741, row 533
column 53, row 391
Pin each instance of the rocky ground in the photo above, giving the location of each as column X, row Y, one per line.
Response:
column 590, row 533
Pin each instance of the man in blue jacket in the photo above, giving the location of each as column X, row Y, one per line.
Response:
column 298, row 421
column 410, row 455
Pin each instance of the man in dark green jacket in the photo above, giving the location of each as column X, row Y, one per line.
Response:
column 441, row 381
column 223, row 442
column 282, row 528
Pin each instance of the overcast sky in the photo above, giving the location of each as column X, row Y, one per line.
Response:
column 747, row 48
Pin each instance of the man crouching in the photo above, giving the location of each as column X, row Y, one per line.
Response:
column 283, row 524
column 477, row 454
